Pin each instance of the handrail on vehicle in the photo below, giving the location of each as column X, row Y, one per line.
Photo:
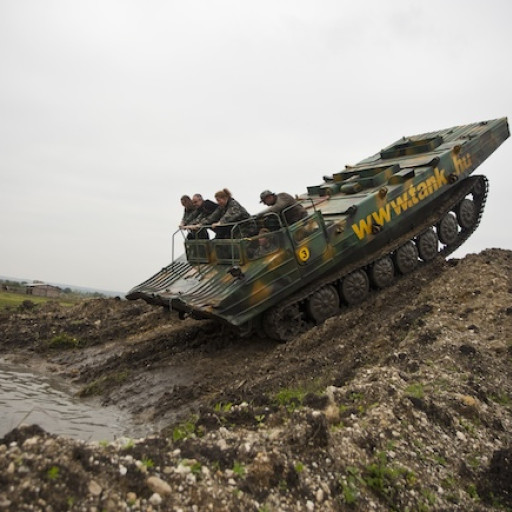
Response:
column 236, row 228
column 273, row 221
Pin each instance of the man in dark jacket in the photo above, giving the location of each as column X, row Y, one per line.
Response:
column 282, row 204
column 204, row 208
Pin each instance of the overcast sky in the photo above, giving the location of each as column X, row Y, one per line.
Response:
column 110, row 110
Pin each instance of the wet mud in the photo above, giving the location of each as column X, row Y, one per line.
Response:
column 418, row 375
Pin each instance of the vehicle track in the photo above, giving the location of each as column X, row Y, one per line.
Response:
column 287, row 311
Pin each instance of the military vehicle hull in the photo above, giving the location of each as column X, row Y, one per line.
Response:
column 412, row 202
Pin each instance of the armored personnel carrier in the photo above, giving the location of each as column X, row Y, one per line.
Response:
column 413, row 201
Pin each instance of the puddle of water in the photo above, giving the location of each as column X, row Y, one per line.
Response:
column 28, row 398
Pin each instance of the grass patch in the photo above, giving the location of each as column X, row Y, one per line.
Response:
column 195, row 468
column 299, row 467
column 239, row 469
column 304, row 393
column 350, row 485
column 12, row 300
column 501, row 399
column 184, row 430
column 415, row 390
column 290, row 398
column 148, row 463
column 385, row 479
column 53, row 473
column 98, row 386
column 63, row 341
column 471, row 490
column 223, row 407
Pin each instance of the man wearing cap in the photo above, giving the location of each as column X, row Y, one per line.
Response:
column 276, row 203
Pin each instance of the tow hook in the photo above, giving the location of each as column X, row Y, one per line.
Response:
column 236, row 272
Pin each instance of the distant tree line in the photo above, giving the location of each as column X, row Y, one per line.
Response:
column 13, row 286
column 8, row 285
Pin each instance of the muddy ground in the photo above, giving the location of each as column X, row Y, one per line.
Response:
column 402, row 403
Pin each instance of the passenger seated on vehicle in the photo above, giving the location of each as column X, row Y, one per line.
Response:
column 203, row 208
column 265, row 244
column 189, row 213
column 228, row 212
column 305, row 230
column 284, row 205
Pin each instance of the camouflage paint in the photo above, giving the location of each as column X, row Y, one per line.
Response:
column 353, row 213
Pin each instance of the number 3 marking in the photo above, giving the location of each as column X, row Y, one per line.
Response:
column 304, row 254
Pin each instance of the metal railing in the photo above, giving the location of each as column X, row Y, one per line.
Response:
column 233, row 245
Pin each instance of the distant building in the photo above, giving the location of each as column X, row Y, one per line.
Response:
column 40, row 289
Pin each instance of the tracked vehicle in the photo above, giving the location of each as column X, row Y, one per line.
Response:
column 411, row 202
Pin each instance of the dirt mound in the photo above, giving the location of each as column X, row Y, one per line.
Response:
column 404, row 402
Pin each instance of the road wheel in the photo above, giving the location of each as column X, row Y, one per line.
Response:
column 355, row 287
column 466, row 213
column 406, row 257
column 382, row 272
column 283, row 323
column 428, row 245
column 323, row 304
column 448, row 229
